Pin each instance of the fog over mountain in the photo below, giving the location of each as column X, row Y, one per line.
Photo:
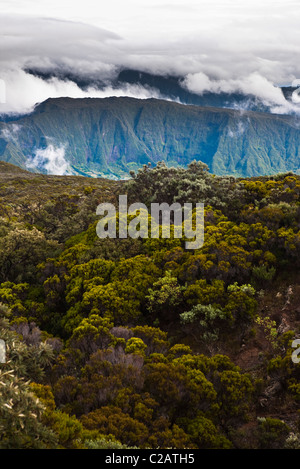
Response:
column 49, row 49
column 184, row 90
column 143, row 67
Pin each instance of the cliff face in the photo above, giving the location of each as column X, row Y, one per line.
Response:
column 111, row 136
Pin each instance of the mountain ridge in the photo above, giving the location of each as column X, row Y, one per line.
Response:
column 108, row 137
column 170, row 87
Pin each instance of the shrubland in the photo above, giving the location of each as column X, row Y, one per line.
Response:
column 141, row 343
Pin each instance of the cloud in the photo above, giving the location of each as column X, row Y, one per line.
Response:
column 253, row 84
column 10, row 133
column 2, row 91
column 50, row 160
column 238, row 131
column 26, row 90
column 296, row 93
column 213, row 45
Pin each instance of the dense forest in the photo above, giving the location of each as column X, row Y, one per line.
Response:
column 141, row 343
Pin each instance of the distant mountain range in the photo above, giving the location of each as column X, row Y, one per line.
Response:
column 109, row 137
column 166, row 87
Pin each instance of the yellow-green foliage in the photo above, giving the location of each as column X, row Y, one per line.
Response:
column 91, row 364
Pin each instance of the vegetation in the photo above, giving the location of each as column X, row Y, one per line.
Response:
column 140, row 343
column 109, row 137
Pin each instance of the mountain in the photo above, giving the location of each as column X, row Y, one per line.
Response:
column 169, row 87
column 111, row 136
column 173, row 88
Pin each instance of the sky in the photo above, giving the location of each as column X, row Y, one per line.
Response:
column 229, row 45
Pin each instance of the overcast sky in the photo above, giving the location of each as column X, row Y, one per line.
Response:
column 232, row 45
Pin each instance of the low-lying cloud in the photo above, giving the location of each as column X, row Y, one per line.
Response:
column 50, row 160
column 25, row 91
column 237, row 131
column 10, row 133
column 230, row 47
column 255, row 84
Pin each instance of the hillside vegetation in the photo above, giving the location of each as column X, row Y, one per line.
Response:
column 140, row 343
column 109, row 137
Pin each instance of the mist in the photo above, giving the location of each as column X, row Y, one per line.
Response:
column 254, row 84
column 218, row 47
column 50, row 160
column 25, row 91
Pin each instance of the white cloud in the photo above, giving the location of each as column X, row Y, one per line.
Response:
column 296, row 93
column 10, row 133
column 24, row 91
column 230, row 45
column 253, row 84
column 50, row 159
column 237, row 131
column 2, row 91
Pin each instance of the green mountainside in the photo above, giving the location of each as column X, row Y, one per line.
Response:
column 139, row 342
column 111, row 136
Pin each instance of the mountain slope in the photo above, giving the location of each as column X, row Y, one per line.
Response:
column 111, row 136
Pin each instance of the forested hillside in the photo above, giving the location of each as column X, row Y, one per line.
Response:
column 140, row 343
column 109, row 137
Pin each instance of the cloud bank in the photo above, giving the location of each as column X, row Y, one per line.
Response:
column 25, row 90
column 253, row 84
column 231, row 46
